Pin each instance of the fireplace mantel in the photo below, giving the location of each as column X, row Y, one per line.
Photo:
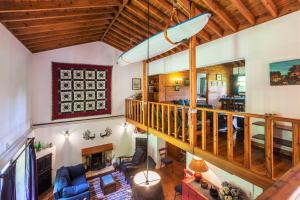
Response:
column 96, row 149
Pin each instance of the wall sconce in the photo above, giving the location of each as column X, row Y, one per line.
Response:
column 67, row 134
column 125, row 125
column 177, row 80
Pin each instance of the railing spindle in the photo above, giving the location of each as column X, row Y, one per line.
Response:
column 175, row 121
column 148, row 114
column 163, row 118
column 203, row 118
column 152, row 115
column 269, row 126
column 183, row 124
column 157, row 116
column 215, row 134
column 295, row 140
column 229, row 138
column 247, row 143
column 169, row 119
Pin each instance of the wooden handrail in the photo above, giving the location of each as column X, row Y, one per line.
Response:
column 170, row 121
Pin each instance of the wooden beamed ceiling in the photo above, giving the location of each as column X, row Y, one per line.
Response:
column 43, row 25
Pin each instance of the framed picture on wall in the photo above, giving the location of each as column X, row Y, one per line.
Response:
column 285, row 72
column 218, row 77
column 136, row 84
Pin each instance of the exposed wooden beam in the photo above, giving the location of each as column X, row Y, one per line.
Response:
column 58, row 33
column 127, row 33
column 132, row 26
column 244, row 11
column 57, row 27
column 271, row 7
column 121, row 39
column 58, row 20
column 45, row 14
column 62, row 45
column 123, row 36
column 51, row 39
column 63, row 41
column 121, row 8
column 116, row 43
column 216, row 8
column 17, row 6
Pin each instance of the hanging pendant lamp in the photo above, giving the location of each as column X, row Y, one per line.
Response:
column 146, row 185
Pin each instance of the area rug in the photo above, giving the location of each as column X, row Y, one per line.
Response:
column 123, row 189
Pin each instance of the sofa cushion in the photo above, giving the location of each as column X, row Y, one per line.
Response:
column 74, row 190
column 65, row 173
column 60, row 183
column 78, row 180
column 76, row 170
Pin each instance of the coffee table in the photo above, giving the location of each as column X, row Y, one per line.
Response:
column 108, row 184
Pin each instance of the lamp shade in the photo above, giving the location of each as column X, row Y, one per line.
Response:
column 198, row 165
column 143, row 189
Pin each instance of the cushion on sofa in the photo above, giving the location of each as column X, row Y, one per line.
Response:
column 65, row 173
column 60, row 183
column 76, row 170
column 78, row 180
column 74, row 190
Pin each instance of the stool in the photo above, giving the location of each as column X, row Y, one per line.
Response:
column 108, row 184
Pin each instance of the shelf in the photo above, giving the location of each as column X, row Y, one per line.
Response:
column 278, row 141
column 277, row 126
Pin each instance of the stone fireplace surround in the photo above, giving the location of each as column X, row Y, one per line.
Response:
column 97, row 157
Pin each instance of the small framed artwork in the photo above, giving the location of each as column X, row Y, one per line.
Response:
column 219, row 77
column 285, row 73
column 177, row 88
column 136, row 84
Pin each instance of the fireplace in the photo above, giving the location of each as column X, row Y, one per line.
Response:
column 97, row 157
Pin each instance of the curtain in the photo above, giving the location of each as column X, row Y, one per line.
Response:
column 8, row 191
column 203, row 86
column 31, row 173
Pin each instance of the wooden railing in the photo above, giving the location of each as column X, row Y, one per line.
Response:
column 171, row 122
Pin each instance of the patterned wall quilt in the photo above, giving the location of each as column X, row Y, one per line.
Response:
column 80, row 90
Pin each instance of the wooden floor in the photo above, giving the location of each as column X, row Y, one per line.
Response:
column 170, row 178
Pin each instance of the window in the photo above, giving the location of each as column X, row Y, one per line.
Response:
column 241, row 84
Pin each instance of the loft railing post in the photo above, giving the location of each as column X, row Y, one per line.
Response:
column 203, row 117
column 131, row 110
column 183, row 123
column 295, row 142
column 193, row 84
column 145, row 93
column 152, row 115
column 157, row 116
column 247, row 142
column 215, row 134
column 229, row 137
column 148, row 114
column 269, row 131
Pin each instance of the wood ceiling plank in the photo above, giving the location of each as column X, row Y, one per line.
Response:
column 57, row 27
column 62, row 45
column 216, row 8
column 129, row 30
column 49, row 14
column 121, row 8
column 117, row 43
column 271, row 7
column 58, row 20
column 121, row 34
column 62, row 37
column 18, row 6
column 65, row 41
column 244, row 11
column 132, row 26
column 58, row 33
column 127, row 33
column 107, row 41
column 133, row 19
column 125, row 41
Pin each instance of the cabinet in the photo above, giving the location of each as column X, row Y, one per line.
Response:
column 44, row 171
column 192, row 190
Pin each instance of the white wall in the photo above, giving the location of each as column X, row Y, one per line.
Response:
column 273, row 41
column 14, row 101
column 68, row 150
column 97, row 53
column 216, row 176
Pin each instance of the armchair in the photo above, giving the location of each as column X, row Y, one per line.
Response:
column 135, row 160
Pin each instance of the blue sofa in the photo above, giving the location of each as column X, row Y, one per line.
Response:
column 70, row 184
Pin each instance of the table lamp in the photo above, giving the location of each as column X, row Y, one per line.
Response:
column 198, row 166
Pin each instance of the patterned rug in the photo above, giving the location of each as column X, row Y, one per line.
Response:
column 123, row 189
